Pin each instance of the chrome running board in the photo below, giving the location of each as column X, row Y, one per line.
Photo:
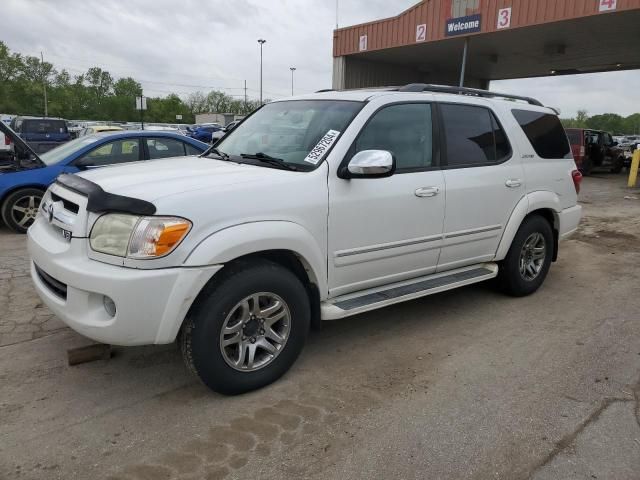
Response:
column 374, row 298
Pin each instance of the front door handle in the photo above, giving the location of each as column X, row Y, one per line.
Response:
column 427, row 191
column 513, row 183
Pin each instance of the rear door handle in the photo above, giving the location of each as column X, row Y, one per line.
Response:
column 513, row 183
column 427, row 192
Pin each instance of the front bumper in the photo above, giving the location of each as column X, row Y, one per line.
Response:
column 150, row 304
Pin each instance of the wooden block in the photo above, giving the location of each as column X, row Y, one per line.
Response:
column 88, row 353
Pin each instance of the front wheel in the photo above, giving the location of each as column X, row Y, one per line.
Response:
column 20, row 208
column 618, row 165
column 247, row 328
column 527, row 263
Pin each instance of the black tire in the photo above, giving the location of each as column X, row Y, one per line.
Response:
column 19, row 221
column 586, row 167
column 201, row 335
column 618, row 165
column 510, row 278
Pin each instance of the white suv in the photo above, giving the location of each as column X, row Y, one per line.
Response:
column 314, row 208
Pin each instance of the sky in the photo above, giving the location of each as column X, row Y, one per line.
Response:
column 182, row 46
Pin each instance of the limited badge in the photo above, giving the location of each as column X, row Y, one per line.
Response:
column 316, row 154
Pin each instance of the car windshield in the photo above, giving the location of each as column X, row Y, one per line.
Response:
column 290, row 130
column 63, row 151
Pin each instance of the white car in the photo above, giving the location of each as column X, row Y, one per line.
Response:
column 314, row 208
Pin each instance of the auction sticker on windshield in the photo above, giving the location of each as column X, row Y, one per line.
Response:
column 316, row 154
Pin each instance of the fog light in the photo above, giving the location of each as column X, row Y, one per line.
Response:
column 109, row 306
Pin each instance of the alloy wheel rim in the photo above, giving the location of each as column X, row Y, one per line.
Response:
column 255, row 331
column 532, row 256
column 25, row 210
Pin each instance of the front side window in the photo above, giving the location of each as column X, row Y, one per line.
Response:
column 546, row 134
column 164, row 148
column 119, row 151
column 289, row 130
column 473, row 136
column 405, row 130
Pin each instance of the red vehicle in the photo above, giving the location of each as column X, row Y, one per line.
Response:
column 595, row 149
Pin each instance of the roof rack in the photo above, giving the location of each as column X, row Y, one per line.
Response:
column 425, row 87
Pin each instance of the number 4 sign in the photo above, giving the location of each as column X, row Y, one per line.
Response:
column 504, row 18
column 607, row 5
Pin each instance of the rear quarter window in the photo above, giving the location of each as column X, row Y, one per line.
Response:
column 545, row 132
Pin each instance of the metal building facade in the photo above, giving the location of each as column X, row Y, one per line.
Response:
column 411, row 45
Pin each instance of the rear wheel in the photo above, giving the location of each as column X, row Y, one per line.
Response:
column 247, row 328
column 527, row 263
column 20, row 208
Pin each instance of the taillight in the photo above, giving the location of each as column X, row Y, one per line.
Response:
column 7, row 140
column 576, row 176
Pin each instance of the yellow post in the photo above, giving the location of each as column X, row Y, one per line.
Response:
column 633, row 171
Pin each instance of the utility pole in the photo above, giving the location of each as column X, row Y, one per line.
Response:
column 245, row 97
column 337, row 14
column 261, row 42
column 44, row 86
column 293, row 69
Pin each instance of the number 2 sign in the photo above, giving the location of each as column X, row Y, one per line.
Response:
column 606, row 5
column 421, row 33
column 504, row 18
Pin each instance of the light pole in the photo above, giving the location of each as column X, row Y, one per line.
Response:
column 293, row 69
column 261, row 41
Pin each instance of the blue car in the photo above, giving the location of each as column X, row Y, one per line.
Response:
column 25, row 177
column 203, row 132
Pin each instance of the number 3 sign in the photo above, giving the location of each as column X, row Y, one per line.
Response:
column 504, row 18
column 606, row 5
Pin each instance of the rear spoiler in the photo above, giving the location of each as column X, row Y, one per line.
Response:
column 100, row 201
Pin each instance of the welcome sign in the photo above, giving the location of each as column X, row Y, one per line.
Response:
column 462, row 25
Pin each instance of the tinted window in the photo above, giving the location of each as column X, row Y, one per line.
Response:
column 44, row 126
column 405, row 130
column 473, row 136
column 545, row 133
column 119, row 151
column 191, row 150
column 164, row 148
column 575, row 137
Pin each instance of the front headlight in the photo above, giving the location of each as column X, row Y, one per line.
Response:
column 137, row 237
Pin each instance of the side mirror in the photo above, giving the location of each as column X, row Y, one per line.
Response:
column 84, row 162
column 371, row 164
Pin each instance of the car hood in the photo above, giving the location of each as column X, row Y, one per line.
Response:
column 151, row 180
column 20, row 143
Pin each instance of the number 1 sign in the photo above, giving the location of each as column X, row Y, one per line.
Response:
column 504, row 18
column 363, row 43
column 607, row 5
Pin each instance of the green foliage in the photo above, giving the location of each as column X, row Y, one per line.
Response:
column 96, row 95
column 608, row 122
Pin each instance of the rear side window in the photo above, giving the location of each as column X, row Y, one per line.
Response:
column 545, row 132
column 44, row 126
column 473, row 136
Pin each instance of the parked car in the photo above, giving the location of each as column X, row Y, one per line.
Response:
column 595, row 149
column 92, row 129
column 375, row 197
column 217, row 135
column 42, row 134
column 203, row 132
column 24, row 180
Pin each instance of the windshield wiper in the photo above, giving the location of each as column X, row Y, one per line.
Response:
column 263, row 157
column 215, row 151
